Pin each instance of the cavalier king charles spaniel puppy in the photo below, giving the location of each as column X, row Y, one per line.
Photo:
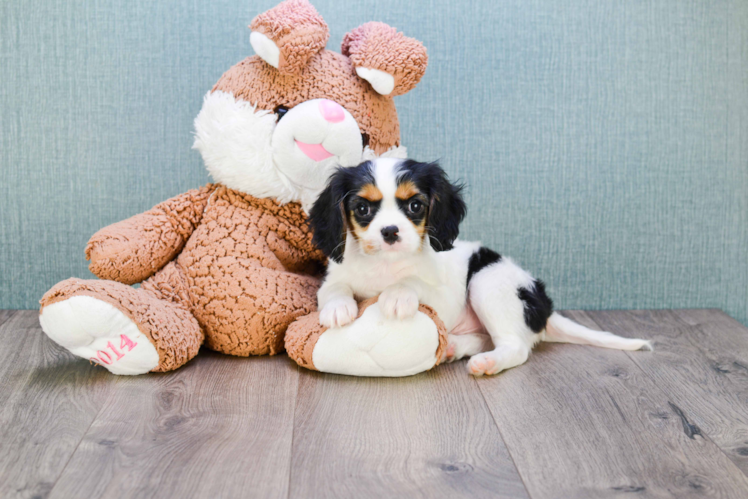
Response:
column 390, row 226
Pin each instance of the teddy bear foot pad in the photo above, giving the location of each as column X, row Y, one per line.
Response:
column 95, row 330
column 374, row 346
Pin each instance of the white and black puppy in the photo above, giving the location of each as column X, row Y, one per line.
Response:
column 390, row 228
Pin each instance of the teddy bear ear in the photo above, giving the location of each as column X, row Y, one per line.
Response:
column 288, row 35
column 391, row 62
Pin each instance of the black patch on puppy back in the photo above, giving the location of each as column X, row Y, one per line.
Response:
column 538, row 306
column 484, row 257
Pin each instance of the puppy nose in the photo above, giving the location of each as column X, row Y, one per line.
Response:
column 389, row 234
column 331, row 111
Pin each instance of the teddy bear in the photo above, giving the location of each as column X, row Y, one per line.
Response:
column 231, row 265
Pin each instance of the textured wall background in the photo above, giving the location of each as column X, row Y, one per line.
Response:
column 605, row 142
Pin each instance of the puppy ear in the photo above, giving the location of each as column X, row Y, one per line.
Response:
column 446, row 209
column 327, row 219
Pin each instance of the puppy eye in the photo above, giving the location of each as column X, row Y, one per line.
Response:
column 280, row 111
column 415, row 207
column 362, row 209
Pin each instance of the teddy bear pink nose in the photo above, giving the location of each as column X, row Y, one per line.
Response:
column 331, row 111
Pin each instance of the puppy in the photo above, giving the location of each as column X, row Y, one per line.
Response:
column 390, row 227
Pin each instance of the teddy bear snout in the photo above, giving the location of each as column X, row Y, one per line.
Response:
column 316, row 130
column 331, row 111
column 311, row 139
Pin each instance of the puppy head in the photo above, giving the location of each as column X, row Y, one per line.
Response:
column 390, row 207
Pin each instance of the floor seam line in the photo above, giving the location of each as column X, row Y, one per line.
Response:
column 83, row 436
column 293, row 431
column 501, row 435
column 13, row 312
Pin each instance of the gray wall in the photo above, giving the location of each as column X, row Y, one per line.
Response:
column 605, row 142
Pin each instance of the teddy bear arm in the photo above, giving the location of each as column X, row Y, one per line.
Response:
column 282, row 238
column 134, row 249
column 246, row 311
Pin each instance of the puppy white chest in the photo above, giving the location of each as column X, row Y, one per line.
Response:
column 369, row 277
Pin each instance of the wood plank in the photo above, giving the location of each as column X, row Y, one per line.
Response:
column 5, row 315
column 429, row 435
column 701, row 362
column 48, row 399
column 220, row 426
column 581, row 421
column 17, row 342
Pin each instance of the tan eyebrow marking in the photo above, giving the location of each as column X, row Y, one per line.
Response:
column 406, row 190
column 370, row 192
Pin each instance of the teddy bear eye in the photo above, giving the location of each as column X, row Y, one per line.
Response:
column 280, row 111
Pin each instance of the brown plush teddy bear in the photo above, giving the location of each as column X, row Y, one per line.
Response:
column 231, row 265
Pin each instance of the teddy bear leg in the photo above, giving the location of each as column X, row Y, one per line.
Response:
column 370, row 346
column 128, row 331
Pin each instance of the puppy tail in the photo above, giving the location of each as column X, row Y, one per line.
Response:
column 561, row 329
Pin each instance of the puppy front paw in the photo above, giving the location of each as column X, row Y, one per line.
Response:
column 398, row 301
column 338, row 312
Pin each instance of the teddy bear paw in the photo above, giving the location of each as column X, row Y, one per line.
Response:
column 96, row 330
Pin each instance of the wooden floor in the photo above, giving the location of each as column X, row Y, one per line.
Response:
column 573, row 421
